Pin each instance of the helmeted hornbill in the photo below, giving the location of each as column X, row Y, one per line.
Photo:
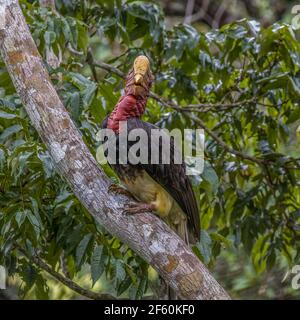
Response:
column 163, row 188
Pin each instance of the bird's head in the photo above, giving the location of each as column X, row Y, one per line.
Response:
column 133, row 102
column 139, row 79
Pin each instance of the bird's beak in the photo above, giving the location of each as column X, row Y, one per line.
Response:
column 141, row 67
column 138, row 79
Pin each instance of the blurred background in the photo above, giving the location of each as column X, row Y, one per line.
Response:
column 215, row 13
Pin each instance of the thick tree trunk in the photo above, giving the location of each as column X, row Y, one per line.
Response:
column 144, row 233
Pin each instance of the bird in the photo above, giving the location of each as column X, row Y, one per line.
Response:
column 161, row 188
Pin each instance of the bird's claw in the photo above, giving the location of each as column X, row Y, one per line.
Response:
column 135, row 208
column 119, row 190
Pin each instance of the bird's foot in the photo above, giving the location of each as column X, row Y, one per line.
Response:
column 119, row 190
column 136, row 207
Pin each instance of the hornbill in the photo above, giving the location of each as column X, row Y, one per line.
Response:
column 162, row 188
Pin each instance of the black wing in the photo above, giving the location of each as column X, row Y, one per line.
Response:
column 172, row 177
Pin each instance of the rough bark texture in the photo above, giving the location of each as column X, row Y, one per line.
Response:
column 144, row 233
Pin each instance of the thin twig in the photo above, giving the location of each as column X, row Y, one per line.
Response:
column 223, row 144
column 218, row 106
column 189, row 11
column 109, row 68
column 90, row 61
column 170, row 104
column 64, row 280
column 74, row 51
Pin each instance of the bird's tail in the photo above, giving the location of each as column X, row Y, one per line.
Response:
column 182, row 231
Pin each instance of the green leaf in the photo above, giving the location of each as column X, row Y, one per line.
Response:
column 6, row 115
column 220, row 239
column 259, row 253
column 2, row 158
column 120, row 271
column 74, row 103
column 204, row 246
column 41, row 288
column 210, row 175
column 141, row 288
column 88, row 94
column 49, row 37
column 8, row 132
column 97, row 263
column 149, row 12
column 81, row 249
column 20, row 217
column 124, row 285
column 294, row 116
column 34, row 222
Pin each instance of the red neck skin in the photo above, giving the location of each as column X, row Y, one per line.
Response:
column 129, row 105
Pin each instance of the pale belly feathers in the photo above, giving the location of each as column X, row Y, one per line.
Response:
column 147, row 190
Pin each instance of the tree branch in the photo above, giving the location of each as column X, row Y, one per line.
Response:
column 145, row 233
column 64, row 280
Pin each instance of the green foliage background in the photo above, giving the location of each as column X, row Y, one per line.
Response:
column 250, row 213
